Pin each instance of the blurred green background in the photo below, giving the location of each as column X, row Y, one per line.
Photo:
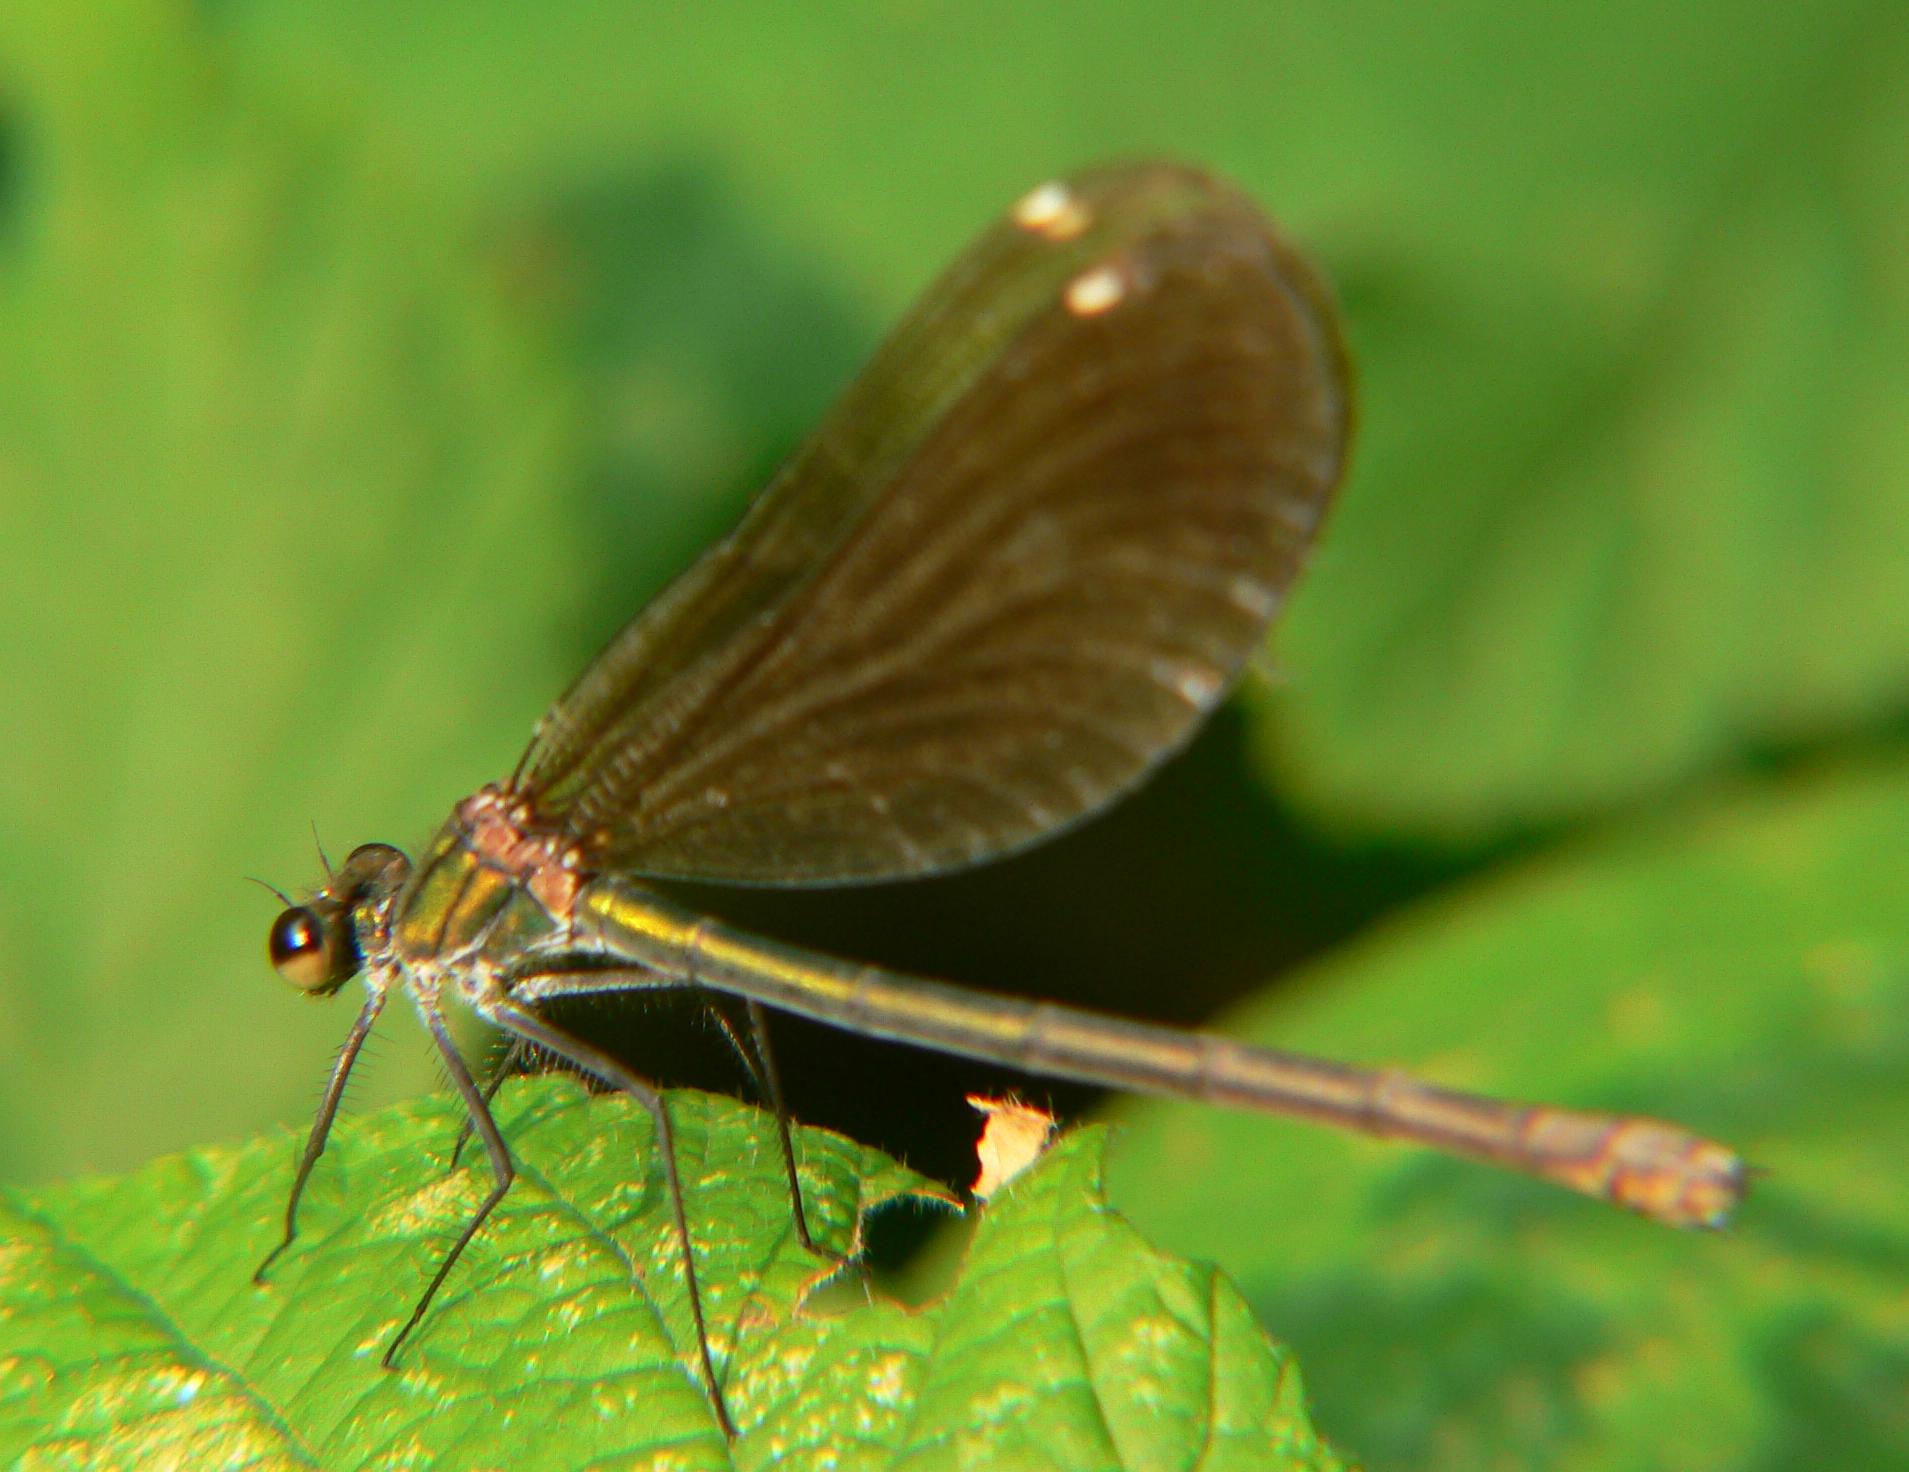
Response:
column 363, row 366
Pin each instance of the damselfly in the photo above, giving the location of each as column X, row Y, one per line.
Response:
column 1019, row 564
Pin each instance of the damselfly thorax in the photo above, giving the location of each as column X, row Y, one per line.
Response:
column 486, row 886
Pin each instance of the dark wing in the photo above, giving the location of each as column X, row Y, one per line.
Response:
column 1019, row 563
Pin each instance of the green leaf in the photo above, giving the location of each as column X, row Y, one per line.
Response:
column 1629, row 499
column 1743, row 969
column 238, row 392
column 314, row 497
column 135, row 1337
column 308, row 493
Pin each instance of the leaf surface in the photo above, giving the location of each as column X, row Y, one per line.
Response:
column 1742, row 967
column 135, row 1337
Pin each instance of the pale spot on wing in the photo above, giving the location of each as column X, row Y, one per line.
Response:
column 1197, row 685
column 1096, row 291
column 1253, row 597
column 1052, row 210
column 1200, row 687
column 1299, row 517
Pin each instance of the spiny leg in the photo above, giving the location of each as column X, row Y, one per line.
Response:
column 533, row 1028
column 501, row 1168
column 513, row 1055
column 589, row 973
column 321, row 1126
column 761, row 1063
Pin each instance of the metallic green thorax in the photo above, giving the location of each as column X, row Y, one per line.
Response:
column 482, row 885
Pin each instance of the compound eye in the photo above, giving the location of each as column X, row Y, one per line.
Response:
column 300, row 948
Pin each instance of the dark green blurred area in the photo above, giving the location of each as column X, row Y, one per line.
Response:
column 363, row 366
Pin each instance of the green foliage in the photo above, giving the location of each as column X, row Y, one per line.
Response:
column 1624, row 289
column 1631, row 493
column 136, row 1338
column 1743, row 968
column 362, row 366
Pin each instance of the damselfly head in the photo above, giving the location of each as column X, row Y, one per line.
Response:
column 315, row 946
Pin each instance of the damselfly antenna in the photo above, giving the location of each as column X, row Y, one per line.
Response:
column 271, row 889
